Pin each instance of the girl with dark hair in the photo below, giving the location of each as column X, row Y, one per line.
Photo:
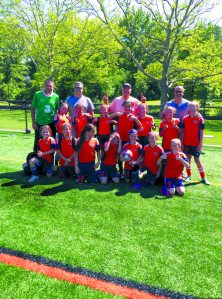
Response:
column 85, row 155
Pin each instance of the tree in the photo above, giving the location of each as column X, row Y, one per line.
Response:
column 168, row 24
column 61, row 44
column 13, row 69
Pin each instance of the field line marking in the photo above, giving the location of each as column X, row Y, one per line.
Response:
column 95, row 280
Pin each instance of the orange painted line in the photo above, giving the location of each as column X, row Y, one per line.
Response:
column 94, row 283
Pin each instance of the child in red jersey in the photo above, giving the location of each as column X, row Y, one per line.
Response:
column 169, row 128
column 104, row 125
column 66, row 144
column 112, row 150
column 62, row 117
column 192, row 138
column 175, row 162
column 152, row 152
column 85, row 150
column 131, row 168
column 45, row 153
column 147, row 123
column 80, row 120
column 125, row 122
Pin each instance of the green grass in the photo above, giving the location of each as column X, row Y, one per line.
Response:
column 15, row 120
column 169, row 243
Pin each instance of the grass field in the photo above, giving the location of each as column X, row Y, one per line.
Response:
column 15, row 120
column 173, row 244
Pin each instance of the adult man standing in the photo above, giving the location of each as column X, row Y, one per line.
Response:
column 80, row 99
column 43, row 109
column 179, row 103
column 117, row 103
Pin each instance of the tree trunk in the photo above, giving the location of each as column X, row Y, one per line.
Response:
column 164, row 88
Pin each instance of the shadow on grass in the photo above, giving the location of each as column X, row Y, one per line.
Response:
column 56, row 185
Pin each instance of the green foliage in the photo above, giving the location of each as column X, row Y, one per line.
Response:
column 151, row 48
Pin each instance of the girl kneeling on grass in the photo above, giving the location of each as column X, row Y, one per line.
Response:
column 152, row 152
column 45, row 154
column 85, row 149
column 131, row 167
column 175, row 162
column 112, row 149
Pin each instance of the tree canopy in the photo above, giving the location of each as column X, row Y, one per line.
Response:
column 152, row 44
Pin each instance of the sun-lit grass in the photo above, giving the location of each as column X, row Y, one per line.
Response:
column 169, row 243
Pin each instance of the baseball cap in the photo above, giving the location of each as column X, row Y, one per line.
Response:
column 126, row 85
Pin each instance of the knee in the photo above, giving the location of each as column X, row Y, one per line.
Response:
column 115, row 180
column 103, row 180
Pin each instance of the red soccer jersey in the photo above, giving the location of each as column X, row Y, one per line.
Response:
column 45, row 145
column 151, row 155
column 192, row 128
column 135, row 149
column 104, row 126
column 79, row 123
column 87, row 151
column 174, row 168
column 170, row 133
column 61, row 120
column 125, row 124
column 66, row 146
column 111, row 156
column 146, row 123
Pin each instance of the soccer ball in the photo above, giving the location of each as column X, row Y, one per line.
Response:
column 126, row 155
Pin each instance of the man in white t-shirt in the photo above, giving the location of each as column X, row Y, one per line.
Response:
column 117, row 103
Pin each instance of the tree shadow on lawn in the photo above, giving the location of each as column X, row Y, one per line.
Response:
column 18, row 178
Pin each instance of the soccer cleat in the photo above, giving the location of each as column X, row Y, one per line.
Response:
column 33, row 178
column 205, row 181
column 187, row 179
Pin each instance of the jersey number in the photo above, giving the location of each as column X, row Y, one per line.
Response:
column 47, row 109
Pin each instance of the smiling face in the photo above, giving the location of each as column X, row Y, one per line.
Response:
column 89, row 134
column 169, row 112
column 103, row 111
column 175, row 146
column 48, row 87
column 78, row 88
column 178, row 92
column 66, row 130
column 45, row 132
column 126, row 92
column 79, row 110
column 64, row 108
column 133, row 137
column 152, row 138
column 142, row 110
column 193, row 109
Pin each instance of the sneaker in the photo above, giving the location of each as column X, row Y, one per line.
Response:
column 205, row 181
column 136, row 186
column 33, row 178
column 187, row 179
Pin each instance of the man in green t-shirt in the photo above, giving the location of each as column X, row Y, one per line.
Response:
column 43, row 110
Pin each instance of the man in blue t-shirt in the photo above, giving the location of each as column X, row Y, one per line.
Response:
column 80, row 99
column 179, row 103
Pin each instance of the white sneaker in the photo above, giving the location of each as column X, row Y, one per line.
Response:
column 33, row 178
column 187, row 179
